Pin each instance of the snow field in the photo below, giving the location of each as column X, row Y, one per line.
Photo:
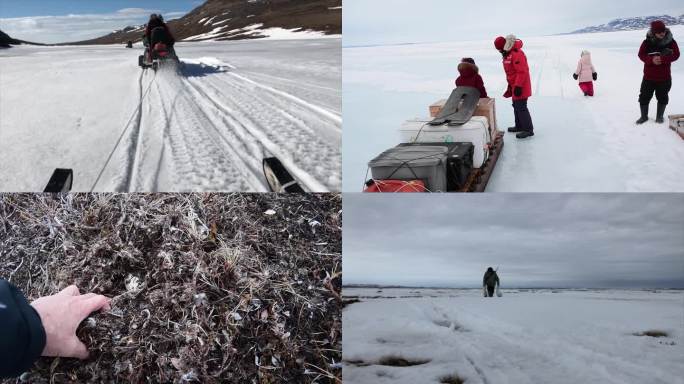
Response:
column 203, row 126
column 540, row 336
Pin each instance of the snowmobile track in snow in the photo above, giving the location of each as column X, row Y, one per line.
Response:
column 137, row 115
column 218, row 129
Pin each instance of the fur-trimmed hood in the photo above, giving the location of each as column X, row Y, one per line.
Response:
column 660, row 43
column 468, row 69
column 512, row 42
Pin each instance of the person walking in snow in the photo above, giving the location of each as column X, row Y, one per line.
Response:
column 586, row 74
column 658, row 52
column 490, row 282
column 470, row 76
column 519, row 83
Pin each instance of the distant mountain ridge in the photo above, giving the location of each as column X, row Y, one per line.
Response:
column 631, row 24
column 7, row 41
column 243, row 19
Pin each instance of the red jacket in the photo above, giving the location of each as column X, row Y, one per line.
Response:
column 517, row 72
column 660, row 72
column 470, row 77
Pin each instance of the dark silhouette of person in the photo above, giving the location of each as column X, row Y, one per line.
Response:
column 489, row 282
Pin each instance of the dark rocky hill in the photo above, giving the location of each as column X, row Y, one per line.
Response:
column 631, row 24
column 240, row 19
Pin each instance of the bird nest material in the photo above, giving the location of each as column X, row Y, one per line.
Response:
column 237, row 288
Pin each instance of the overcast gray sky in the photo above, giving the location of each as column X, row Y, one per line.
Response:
column 403, row 21
column 536, row 240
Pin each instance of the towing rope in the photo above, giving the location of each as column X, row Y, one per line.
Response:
column 143, row 95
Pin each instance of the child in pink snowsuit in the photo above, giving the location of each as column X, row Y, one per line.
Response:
column 585, row 73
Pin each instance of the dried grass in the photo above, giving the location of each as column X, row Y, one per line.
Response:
column 206, row 287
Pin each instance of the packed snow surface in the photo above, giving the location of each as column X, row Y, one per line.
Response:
column 204, row 125
column 580, row 143
column 526, row 336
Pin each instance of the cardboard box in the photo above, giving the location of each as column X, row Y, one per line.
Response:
column 677, row 124
column 485, row 107
column 436, row 107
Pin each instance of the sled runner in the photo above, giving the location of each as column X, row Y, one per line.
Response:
column 278, row 178
column 60, row 181
column 462, row 120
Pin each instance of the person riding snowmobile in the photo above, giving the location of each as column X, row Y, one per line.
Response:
column 489, row 282
column 156, row 31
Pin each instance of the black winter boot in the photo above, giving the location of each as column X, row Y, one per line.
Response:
column 524, row 134
column 644, row 114
column 660, row 118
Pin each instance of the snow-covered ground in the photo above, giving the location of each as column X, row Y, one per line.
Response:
column 204, row 128
column 580, row 144
column 526, row 336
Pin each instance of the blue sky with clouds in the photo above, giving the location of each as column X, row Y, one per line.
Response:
column 369, row 22
column 56, row 21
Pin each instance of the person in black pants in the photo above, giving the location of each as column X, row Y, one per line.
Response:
column 46, row 327
column 489, row 282
column 658, row 52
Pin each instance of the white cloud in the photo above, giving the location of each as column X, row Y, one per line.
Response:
column 74, row 27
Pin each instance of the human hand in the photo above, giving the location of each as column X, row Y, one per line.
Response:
column 61, row 314
column 508, row 93
column 594, row 76
column 518, row 91
column 574, row 76
column 657, row 60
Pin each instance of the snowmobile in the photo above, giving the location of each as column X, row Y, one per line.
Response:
column 455, row 150
column 157, row 51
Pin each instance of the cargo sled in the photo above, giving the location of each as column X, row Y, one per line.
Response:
column 455, row 150
column 677, row 124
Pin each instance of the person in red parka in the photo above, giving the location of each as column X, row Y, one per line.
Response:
column 470, row 76
column 658, row 52
column 519, row 83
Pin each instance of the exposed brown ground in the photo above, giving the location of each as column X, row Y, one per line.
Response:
column 237, row 288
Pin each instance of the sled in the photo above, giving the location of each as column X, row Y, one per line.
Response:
column 462, row 118
column 677, row 124
column 278, row 178
column 61, row 181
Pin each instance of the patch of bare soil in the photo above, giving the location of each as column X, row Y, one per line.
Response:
column 652, row 333
column 451, row 379
column 398, row 361
column 232, row 288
